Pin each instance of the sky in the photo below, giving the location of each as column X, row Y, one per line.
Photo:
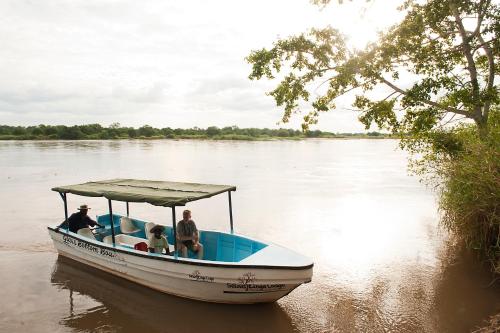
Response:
column 162, row 63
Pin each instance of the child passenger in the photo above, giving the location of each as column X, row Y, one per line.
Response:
column 158, row 242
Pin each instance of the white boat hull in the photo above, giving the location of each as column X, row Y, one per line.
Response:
column 209, row 281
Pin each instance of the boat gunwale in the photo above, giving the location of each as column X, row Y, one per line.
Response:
column 180, row 261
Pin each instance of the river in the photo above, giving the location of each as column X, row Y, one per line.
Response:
column 382, row 264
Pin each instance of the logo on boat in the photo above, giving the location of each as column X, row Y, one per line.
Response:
column 89, row 247
column 196, row 276
column 246, row 284
column 247, row 278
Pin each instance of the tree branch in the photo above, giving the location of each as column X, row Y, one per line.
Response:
column 491, row 74
column 480, row 16
column 431, row 103
column 466, row 49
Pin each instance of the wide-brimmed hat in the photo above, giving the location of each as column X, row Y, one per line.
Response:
column 84, row 207
column 156, row 227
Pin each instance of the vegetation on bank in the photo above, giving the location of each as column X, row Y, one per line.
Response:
column 438, row 66
column 115, row 131
column 464, row 166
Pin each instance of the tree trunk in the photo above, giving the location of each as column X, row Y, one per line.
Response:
column 482, row 127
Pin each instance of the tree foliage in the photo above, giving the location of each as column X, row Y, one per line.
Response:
column 437, row 70
column 438, row 63
column 116, row 131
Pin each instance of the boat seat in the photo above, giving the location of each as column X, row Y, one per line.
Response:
column 129, row 241
column 122, row 239
column 147, row 227
column 86, row 232
column 126, row 225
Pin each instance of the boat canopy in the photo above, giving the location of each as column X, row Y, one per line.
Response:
column 157, row 193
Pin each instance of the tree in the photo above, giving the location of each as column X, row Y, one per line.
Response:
column 213, row 131
column 448, row 48
column 146, row 131
column 70, row 133
column 437, row 68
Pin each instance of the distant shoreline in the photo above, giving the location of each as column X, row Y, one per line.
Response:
column 146, row 132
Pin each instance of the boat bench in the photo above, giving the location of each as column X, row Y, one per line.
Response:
column 128, row 241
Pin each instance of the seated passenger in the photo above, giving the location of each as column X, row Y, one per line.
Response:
column 188, row 236
column 81, row 220
column 158, row 242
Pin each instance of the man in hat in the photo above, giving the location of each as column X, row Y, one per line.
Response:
column 158, row 242
column 81, row 220
column 188, row 236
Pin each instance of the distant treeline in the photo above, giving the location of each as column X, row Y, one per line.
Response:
column 115, row 131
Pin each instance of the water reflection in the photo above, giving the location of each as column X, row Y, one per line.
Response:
column 116, row 304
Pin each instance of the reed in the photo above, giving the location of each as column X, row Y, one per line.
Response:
column 469, row 196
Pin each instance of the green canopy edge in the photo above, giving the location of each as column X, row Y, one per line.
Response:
column 157, row 193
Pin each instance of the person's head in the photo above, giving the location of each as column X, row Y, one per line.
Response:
column 186, row 215
column 84, row 209
column 157, row 230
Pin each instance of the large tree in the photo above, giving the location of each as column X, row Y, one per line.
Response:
column 437, row 70
column 437, row 65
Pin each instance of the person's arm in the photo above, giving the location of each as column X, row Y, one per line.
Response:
column 92, row 222
column 196, row 235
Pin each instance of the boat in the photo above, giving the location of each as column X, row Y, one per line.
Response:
column 235, row 269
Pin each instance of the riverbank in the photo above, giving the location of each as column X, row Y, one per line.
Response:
column 146, row 132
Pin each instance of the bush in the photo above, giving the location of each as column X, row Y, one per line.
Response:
column 70, row 133
column 470, row 192
column 213, row 130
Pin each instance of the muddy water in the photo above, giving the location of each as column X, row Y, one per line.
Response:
column 381, row 262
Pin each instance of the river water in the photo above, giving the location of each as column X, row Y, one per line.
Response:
column 382, row 264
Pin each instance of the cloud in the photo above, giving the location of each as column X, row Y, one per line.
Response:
column 153, row 94
column 231, row 94
column 159, row 62
column 36, row 95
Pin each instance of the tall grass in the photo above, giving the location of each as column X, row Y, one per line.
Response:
column 470, row 191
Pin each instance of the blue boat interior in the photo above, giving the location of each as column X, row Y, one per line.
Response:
column 218, row 246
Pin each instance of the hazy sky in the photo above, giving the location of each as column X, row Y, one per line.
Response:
column 163, row 63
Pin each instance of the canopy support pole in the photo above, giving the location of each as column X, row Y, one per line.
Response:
column 175, row 231
column 63, row 197
column 111, row 220
column 128, row 211
column 230, row 211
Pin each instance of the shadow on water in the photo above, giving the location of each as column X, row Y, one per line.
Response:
column 467, row 292
column 128, row 307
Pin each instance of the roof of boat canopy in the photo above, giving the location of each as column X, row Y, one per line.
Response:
column 158, row 193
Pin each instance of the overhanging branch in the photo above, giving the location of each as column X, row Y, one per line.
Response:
column 428, row 102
